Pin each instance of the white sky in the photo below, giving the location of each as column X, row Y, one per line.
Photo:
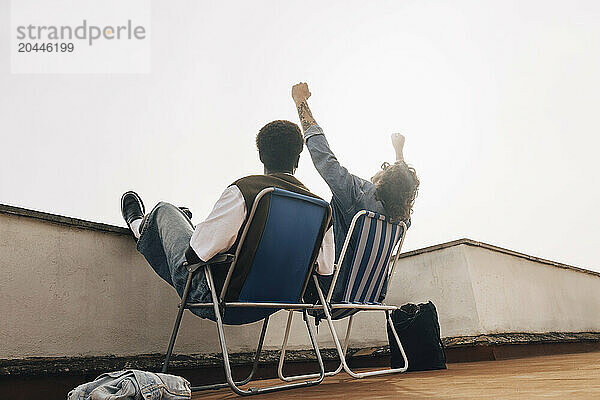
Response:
column 499, row 103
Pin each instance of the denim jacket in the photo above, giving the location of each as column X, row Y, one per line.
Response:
column 133, row 384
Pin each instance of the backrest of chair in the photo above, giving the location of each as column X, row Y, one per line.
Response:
column 287, row 250
column 375, row 237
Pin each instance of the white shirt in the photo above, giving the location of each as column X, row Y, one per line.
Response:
column 219, row 231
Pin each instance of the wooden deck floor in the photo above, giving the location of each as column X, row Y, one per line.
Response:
column 566, row 376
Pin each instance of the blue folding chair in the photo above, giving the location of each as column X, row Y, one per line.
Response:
column 276, row 276
column 374, row 239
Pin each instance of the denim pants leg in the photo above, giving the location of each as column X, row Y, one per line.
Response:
column 165, row 237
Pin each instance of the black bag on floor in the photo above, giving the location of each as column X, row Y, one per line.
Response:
column 419, row 332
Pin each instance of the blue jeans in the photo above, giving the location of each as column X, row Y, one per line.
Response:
column 165, row 237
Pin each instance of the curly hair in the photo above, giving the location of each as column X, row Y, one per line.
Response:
column 397, row 187
column 279, row 145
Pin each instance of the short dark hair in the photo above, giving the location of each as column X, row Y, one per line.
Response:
column 397, row 188
column 279, row 145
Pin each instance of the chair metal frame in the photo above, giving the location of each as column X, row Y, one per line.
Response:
column 219, row 306
column 327, row 306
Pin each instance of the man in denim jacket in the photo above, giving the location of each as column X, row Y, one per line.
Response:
column 390, row 192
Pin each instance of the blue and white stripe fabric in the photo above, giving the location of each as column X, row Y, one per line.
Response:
column 376, row 237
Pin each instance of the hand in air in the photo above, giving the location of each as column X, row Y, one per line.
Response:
column 398, row 143
column 300, row 92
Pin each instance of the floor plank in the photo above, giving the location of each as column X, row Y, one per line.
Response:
column 566, row 376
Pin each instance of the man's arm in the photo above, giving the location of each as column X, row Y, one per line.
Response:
column 219, row 231
column 326, row 256
column 343, row 184
column 300, row 94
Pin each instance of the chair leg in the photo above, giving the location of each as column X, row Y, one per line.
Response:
column 342, row 352
column 257, row 354
column 227, row 366
column 391, row 324
column 282, row 358
column 313, row 341
column 336, row 341
column 252, row 372
column 176, row 329
column 284, row 346
column 177, row 322
column 347, row 338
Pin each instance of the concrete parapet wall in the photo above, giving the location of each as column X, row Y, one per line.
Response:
column 481, row 289
column 72, row 288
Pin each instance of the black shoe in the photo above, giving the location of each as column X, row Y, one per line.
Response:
column 132, row 207
column 186, row 211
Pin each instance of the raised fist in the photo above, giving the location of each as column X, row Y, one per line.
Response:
column 300, row 92
column 398, row 143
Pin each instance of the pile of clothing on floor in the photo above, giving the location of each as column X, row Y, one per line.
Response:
column 133, row 384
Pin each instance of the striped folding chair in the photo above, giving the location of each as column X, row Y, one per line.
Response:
column 274, row 277
column 374, row 238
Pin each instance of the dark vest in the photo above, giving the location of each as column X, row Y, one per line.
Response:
column 250, row 187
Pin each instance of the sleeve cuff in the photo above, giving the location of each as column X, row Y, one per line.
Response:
column 191, row 256
column 312, row 131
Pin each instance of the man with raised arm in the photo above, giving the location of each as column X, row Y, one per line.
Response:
column 167, row 238
column 391, row 191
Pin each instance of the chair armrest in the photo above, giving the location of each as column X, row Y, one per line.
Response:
column 218, row 259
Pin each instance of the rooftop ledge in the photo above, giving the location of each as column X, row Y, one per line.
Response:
column 97, row 226
column 67, row 316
